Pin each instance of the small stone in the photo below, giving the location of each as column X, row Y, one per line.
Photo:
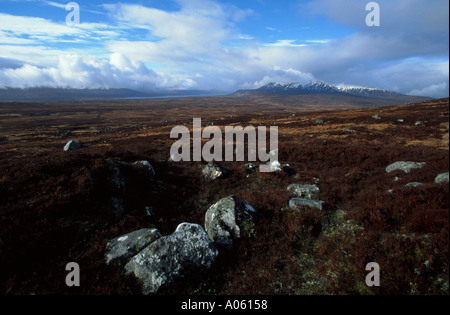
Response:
column 72, row 145
column 442, row 178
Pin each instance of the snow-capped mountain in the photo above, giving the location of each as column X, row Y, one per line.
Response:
column 297, row 88
column 322, row 88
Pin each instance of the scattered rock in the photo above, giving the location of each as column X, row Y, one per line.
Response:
column 306, row 191
column 72, row 145
column 319, row 122
column 214, row 170
column 121, row 249
column 442, row 178
column 414, row 184
column 404, row 166
column 349, row 131
column 227, row 220
column 377, row 117
column 186, row 255
column 296, row 203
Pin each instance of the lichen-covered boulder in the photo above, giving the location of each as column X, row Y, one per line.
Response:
column 297, row 203
column 404, row 166
column 72, row 145
column 306, row 191
column 442, row 178
column 214, row 170
column 227, row 220
column 120, row 249
column 185, row 255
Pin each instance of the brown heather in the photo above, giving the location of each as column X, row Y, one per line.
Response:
column 53, row 204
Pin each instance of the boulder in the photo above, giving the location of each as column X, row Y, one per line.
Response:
column 182, row 257
column 319, row 122
column 442, row 178
column 414, row 184
column 227, row 220
column 121, row 249
column 296, row 203
column 404, row 166
column 377, row 117
column 72, row 145
column 214, row 170
column 306, row 191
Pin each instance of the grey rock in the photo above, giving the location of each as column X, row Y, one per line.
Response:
column 306, row 191
column 404, row 166
column 72, row 145
column 414, row 184
column 184, row 256
column 319, row 122
column 442, row 178
column 296, row 203
column 227, row 220
column 377, row 117
column 214, row 170
column 121, row 249
column 418, row 123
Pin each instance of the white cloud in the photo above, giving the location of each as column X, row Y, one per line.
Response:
column 88, row 72
column 199, row 45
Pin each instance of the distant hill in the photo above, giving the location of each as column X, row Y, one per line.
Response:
column 63, row 94
column 322, row 88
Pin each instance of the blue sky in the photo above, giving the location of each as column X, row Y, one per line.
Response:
column 225, row 44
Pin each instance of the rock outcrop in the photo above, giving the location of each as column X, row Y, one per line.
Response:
column 182, row 256
column 306, row 191
column 227, row 220
column 442, row 178
column 72, row 145
column 214, row 170
column 404, row 166
column 296, row 203
column 122, row 248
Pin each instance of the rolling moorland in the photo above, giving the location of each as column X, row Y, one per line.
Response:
column 55, row 206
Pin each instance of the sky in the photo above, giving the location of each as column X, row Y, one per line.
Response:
column 225, row 44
